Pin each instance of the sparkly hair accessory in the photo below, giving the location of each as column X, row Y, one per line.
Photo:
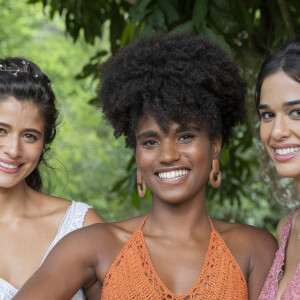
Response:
column 4, row 68
column 15, row 70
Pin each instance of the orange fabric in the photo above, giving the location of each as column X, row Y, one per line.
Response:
column 132, row 276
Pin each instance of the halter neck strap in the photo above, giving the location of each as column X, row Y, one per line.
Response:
column 211, row 224
column 143, row 223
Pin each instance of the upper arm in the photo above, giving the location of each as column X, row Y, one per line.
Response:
column 264, row 247
column 92, row 217
column 67, row 268
column 94, row 291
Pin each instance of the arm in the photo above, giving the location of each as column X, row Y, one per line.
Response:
column 68, row 267
column 263, row 249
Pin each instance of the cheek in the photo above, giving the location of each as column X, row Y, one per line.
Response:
column 143, row 159
column 264, row 133
column 36, row 152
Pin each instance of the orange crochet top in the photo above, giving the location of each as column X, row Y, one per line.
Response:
column 132, row 276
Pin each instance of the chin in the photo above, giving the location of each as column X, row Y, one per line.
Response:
column 288, row 173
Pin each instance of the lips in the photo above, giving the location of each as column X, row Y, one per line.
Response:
column 285, row 152
column 10, row 166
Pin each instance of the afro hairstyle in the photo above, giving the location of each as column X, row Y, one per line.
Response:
column 173, row 78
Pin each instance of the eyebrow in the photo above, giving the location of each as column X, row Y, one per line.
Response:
column 32, row 130
column 291, row 103
column 285, row 104
column 5, row 125
column 263, row 106
column 146, row 134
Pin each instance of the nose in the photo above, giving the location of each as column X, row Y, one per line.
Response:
column 169, row 152
column 13, row 146
column 281, row 128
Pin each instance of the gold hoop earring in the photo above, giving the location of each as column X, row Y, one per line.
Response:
column 141, row 185
column 215, row 172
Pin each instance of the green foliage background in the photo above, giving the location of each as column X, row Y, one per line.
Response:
column 89, row 164
column 85, row 157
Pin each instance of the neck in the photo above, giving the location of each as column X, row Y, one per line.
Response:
column 13, row 201
column 177, row 220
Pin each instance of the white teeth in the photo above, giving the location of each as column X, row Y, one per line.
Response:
column 173, row 175
column 7, row 166
column 287, row 150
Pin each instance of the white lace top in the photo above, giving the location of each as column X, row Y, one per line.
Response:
column 73, row 219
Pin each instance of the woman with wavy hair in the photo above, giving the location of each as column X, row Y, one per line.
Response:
column 31, row 222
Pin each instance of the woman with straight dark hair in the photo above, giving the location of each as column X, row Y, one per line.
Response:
column 31, row 222
column 278, row 105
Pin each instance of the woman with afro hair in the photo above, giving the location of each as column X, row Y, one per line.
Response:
column 175, row 98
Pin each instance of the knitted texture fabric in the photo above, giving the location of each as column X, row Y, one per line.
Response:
column 270, row 289
column 132, row 276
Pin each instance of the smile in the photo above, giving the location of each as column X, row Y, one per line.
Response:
column 173, row 175
column 8, row 166
column 287, row 151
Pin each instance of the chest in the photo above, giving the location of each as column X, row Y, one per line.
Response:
column 23, row 250
column 174, row 272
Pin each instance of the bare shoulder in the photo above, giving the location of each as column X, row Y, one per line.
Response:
column 280, row 228
column 282, row 223
column 253, row 249
column 245, row 234
column 48, row 203
column 248, row 244
column 52, row 205
column 107, row 237
column 92, row 217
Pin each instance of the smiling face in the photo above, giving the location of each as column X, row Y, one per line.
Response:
column 279, row 109
column 21, row 140
column 175, row 164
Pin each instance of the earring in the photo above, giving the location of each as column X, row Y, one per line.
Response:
column 215, row 171
column 141, row 185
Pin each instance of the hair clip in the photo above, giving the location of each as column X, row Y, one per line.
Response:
column 15, row 73
column 2, row 67
column 26, row 64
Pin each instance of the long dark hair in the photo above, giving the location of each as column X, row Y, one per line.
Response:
column 286, row 59
column 24, row 80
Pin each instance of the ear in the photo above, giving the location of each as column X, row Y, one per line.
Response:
column 216, row 147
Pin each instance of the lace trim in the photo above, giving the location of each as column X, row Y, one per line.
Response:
column 7, row 291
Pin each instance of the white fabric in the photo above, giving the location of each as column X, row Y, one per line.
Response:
column 73, row 219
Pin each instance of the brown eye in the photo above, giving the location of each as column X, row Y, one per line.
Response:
column 186, row 137
column 295, row 113
column 267, row 115
column 30, row 137
column 150, row 143
column 2, row 131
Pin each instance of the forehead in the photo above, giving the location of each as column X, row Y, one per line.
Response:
column 148, row 122
column 25, row 113
column 279, row 88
